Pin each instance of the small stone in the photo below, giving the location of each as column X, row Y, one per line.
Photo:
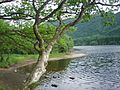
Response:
column 15, row 70
column 54, row 85
column 80, row 78
column 72, row 78
column 54, row 77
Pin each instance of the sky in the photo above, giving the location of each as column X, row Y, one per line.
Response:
column 115, row 9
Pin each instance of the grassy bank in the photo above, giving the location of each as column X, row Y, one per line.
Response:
column 18, row 58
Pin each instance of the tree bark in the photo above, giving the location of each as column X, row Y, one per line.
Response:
column 39, row 69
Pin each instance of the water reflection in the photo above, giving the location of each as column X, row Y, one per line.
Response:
column 14, row 79
column 57, row 65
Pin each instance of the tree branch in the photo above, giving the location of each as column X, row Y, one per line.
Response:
column 45, row 3
column 33, row 3
column 83, row 8
column 76, row 20
column 54, row 11
column 38, row 36
column 73, row 13
column 56, row 35
column 9, row 16
column 5, row 1
column 104, row 4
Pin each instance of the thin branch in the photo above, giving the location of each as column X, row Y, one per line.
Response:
column 36, row 44
column 5, row 1
column 67, row 12
column 83, row 8
column 60, row 31
column 9, row 16
column 33, row 3
column 104, row 4
column 45, row 3
column 56, row 35
column 53, row 12
column 39, row 20
column 78, row 18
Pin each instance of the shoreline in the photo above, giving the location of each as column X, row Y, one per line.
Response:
column 72, row 55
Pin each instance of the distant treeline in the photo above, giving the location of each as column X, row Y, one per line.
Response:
column 96, row 32
column 115, row 40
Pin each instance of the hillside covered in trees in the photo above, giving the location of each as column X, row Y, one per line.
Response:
column 98, row 31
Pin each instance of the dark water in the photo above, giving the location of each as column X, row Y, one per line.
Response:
column 99, row 70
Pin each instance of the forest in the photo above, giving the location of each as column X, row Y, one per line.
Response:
column 98, row 31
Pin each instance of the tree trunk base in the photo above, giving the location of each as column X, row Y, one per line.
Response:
column 34, row 77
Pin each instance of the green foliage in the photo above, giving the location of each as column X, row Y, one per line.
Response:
column 47, row 31
column 65, row 44
column 20, row 40
column 14, row 40
column 4, row 27
column 108, row 18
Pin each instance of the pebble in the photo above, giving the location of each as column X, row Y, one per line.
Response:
column 54, row 77
column 54, row 85
column 72, row 78
column 15, row 70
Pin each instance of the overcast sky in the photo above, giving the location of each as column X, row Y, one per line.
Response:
column 17, row 2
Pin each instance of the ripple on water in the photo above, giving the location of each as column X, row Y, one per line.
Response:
column 97, row 71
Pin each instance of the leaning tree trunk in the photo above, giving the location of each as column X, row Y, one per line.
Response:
column 38, row 70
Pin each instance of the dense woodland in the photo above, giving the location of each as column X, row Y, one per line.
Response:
column 98, row 31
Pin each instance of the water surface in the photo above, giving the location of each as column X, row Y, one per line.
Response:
column 99, row 70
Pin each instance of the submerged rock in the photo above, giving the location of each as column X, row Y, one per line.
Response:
column 54, row 77
column 72, row 78
column 54, row 85
column 15, row 70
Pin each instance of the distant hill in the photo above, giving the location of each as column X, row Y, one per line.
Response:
column 95, row 32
